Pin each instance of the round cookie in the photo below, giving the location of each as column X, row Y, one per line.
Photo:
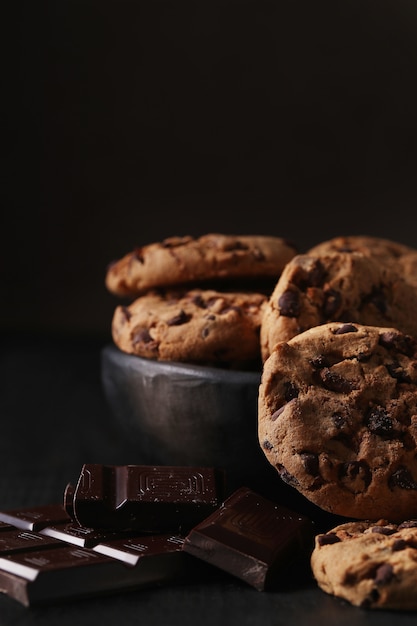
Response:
column 370, row 564
column 196, row 326
column 187, row 260
column 394, row 253
column 338, row 286
column 337, row 418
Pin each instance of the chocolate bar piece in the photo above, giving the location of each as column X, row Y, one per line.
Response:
column 251, row 538
column 62, row 571
column 78, row 535
column 144, row 498
column 130, row 549
column 35, row 517
column 17, row 540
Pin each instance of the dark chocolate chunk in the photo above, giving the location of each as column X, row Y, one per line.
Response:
column 384, row 574
column 181, row 318
column 332, row 302
column 199, row 301
column 35, row 517
column 402, row 478
column 396, row 371
column 66, row 572
column 392, row 340
column 146, row 498
column 339, row 420
column 275, row 415
column 289, row 303
column 291, row 391
column 399, row 544
column 251, row 538
column 319, row 361
column 335, row 382
column 327, row 539
column 142, row 335
column 310, row 463
column 383, row 530
column 379, row 422
column 285, row 475
column 411, row 523
column 346, row 328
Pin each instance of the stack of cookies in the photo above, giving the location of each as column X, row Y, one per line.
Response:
column 334, row 333
column 197, row 300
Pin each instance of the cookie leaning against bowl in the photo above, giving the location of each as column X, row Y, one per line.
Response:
column 196, row 326
column 338, row 286
column 337, row 418
column 370, row 564
column 187, row 260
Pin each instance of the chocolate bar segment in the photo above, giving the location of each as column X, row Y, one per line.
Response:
column 251, row 538
column 17, row 540
column 35, row 517
column 78, row 535
column 144, row 498
column 130, row 550
column 65, row 571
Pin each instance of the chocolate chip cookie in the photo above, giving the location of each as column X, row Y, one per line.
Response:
column 196, row 326
column 369, row 564
column 393, row 253
column 190, row 261
column 338, row 286
column 338, row 419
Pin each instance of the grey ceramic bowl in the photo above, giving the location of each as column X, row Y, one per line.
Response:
column 181, row 414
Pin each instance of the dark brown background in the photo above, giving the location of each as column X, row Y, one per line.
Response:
column 136, row 120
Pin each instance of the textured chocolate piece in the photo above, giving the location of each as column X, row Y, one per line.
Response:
column 36, row 568
column 78, row 535
column 35, row 517
column 145, row 498
column 69, row 572
column 251, row 538
column 17, row 540
column 131, row 549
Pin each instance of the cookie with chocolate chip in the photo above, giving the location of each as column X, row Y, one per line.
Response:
column 370, row 564
column 338, row 419
column 338, row 286
column 192, row 261
column 386, row 251
column 196, row 326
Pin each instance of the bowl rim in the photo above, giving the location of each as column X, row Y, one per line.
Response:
column 153, row 366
